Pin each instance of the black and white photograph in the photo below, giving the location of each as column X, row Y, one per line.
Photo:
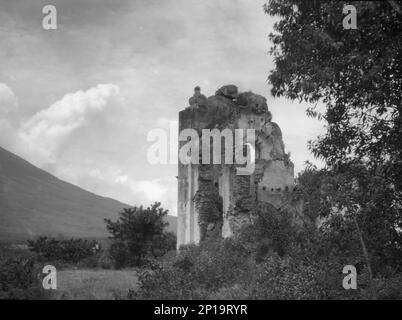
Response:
column 226, row 152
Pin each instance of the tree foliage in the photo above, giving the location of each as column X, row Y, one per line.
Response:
column 139, row 232
column 353, row 81
column 69, row 251
column 19, row 276
column 298, row 264
column 355, row 74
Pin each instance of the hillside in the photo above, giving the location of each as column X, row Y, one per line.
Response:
column 34, row 202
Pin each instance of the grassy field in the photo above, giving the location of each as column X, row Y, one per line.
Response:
column 94, row 284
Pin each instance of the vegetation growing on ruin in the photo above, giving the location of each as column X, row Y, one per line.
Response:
column 209, row 204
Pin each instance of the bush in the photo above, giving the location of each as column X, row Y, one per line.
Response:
column 167, row 284
column 19, row 277
column 64, row 251
column 285, row 278
column 390, row 288
column 104, row 260
column 196, row 272
column 271, row 258
column 119, row 253
column 139, row 233
column 91, row 262
column 238, row 268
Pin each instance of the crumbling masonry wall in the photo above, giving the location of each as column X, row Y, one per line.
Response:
column 212, row 199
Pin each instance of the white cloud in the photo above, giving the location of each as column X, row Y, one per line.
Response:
column 8, row 109
column 8, row 100
column 8, row 135
column 43, row 134
column 151, row 190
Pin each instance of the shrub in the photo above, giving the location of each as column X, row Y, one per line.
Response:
column 269, row 259
column 390, row 287
column 285, row 278
column 196, row 272
column 104, row 260
column 65, row 251
column 229, row 269
column 119, row 253
column 139, row 233
column 167, row 284
column 19, row 277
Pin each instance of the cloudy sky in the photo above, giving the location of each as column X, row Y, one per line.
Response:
column 79, row 101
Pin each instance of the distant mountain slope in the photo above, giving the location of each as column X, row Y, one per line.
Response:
column 33, row 202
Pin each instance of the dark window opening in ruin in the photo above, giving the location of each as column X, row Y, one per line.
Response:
column 264, row 188
column 286, row 188
column 272, row 189
column 216, row 185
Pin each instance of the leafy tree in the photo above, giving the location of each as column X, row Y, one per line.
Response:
column 139, row 232
column 309, row 187
column 357, row 76
column 271, row 231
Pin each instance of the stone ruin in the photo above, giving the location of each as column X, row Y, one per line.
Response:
column 212, row 199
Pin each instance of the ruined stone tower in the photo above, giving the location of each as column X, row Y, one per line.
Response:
column 213, row 199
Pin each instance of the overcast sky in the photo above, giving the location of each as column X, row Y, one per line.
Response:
column 79, row 101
